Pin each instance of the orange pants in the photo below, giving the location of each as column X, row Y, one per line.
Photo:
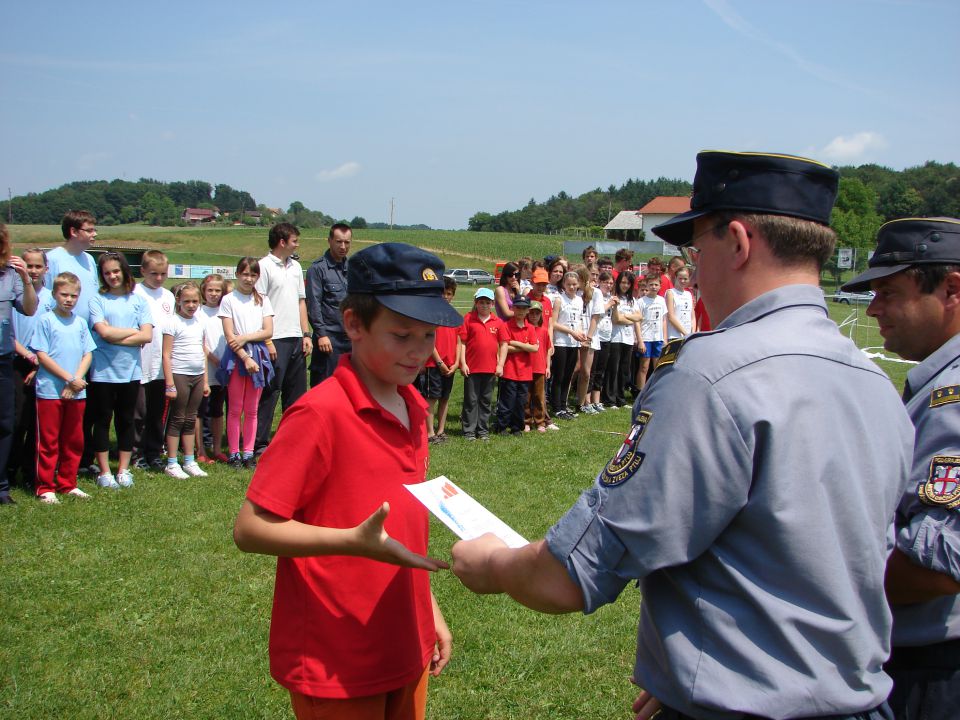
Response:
column 406, row 703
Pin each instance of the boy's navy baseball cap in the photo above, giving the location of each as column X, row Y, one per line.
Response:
column 753, row 182
column 405, row 279
column 522, row 301
column 910, row 241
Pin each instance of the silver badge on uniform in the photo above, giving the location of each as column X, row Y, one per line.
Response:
column 628, row 459
column 942, row 488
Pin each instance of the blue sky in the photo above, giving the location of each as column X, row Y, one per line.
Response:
column 456, row 107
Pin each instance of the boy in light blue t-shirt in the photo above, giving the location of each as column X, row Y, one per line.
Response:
column 64, row 349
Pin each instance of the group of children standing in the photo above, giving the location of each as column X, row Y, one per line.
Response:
column 556, row 341
column 136, row 351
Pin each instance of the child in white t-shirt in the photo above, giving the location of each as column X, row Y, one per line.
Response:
column 653, row 329
column 212, row 289
column 149, row 416
column 185, row 375
column 680, row 318
column 247, row 318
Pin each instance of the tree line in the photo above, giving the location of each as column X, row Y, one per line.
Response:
column 117, row 202
column 869, row 196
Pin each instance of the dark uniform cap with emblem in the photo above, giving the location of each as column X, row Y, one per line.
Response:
column 405, row 279
column 910, row 241
column 752, row 182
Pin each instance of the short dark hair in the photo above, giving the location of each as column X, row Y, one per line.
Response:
column 588, row 249
column 74, row 220
column 281, row 231
column 113, row 256
column 792, row 240
column 929, row 277
column 449, row 284
column 364, row 305
column 342, row 227
column 623, row 254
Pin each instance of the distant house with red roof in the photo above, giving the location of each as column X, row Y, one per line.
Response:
column 661, row 209
column 196, row 216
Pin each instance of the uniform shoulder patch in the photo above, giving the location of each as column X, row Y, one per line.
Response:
column 942, row 487
column 945, row 395
column 670, row 352
column 628, row 459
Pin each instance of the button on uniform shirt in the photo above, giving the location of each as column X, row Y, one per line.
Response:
column 753, row 498
column 283, row 283
column 326, row 287
column 928, row 518
column 83, row 266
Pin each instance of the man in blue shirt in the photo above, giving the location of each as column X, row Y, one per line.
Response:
column 915, row 273
column 16, row 291
column 326, row 287
column 754, row 494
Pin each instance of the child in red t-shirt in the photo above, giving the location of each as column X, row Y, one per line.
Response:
column 354, row 623
column 482, row 349
column 435, row 381
column 522, row 345
column 537, row 413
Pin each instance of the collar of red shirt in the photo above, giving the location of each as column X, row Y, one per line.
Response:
column 362, row 400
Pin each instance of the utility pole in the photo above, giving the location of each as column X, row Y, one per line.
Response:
column 391, row 213
column 9, row 207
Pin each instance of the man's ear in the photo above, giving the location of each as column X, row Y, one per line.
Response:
column 951, row 284
column 738, row 238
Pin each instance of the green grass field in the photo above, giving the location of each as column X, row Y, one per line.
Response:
column 136, row 603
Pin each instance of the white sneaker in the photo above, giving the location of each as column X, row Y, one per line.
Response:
column 552, row 426
column 175, row 471
column 48, row 498
column 125, row 478
column 587, row 410
column 78, row 493
column 193, row 469
column 106, row 480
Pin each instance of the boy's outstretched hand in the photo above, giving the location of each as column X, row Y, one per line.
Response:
column 376, row 544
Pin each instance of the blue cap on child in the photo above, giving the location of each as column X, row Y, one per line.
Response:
column 405, row 279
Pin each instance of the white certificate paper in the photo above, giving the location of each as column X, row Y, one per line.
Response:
column 461, row 513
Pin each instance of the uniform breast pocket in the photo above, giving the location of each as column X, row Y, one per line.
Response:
column 334, row 287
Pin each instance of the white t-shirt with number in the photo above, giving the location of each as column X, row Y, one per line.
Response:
column 654, row 310
column 568, row 312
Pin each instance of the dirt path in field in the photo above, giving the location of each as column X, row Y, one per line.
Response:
column 435, row 251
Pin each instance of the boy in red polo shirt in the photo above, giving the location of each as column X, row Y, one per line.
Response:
column 482, row 348
column 522, row 345
column 355, row 630
column 435, row 382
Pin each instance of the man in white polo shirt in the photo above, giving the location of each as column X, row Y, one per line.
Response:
column 281, row 280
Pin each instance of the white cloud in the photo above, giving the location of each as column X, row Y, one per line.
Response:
column 846, row 149
column 348, row 169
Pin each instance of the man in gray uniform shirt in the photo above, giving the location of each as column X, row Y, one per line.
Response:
column 915, row 272
column 326, row 287
column 753, row 497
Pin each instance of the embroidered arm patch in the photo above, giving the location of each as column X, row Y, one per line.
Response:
column 945, row 395
column 628, row 459
column 942, row 487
